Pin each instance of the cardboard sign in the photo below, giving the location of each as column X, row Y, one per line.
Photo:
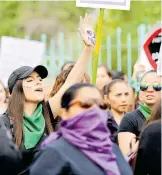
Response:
column 150, row 53
column 15, row 52
column 108, row 4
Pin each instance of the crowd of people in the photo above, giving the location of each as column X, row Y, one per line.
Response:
column 113, row 128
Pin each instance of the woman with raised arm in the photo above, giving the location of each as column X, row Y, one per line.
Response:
column 29, row 116
column 79, row 69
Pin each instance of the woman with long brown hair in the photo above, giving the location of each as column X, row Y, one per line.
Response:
column 30, row 116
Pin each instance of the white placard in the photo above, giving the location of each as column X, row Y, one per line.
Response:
column 108, row 4
column 15, row 52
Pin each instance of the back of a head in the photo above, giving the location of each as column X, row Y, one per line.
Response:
column 60, row 80
column 68, row 64
column 117, row 75
column 70, row 93
column 106, row 69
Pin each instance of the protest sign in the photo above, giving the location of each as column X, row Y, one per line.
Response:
column 108, row 4
column 150, row 52
column 15, row 52
column 102, row 4
column 159, row 64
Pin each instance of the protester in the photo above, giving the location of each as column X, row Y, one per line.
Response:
column 82, row 145
column 132, row 122
column 117, row 96
column 29, row 119
column 3, row 99
column 103, row 77
column 67, row 65
column 29, row 114
column 149, row 152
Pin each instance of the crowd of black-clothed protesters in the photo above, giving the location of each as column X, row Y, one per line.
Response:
column 113, row 128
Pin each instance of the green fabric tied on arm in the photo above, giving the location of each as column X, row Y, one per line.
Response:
column 145, row 111
column 34, row 127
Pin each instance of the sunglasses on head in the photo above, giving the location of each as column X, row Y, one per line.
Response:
column 88, row 103
column 155, row 86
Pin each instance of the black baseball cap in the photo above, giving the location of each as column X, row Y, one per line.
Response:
column 24, row 72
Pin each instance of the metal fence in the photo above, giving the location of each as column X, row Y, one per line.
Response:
column 65, row 49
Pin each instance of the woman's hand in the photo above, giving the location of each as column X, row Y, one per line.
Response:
column 86, row 31
column 138, row 69
column 134, row 145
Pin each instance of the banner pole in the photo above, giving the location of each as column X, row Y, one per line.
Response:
column 98, row 44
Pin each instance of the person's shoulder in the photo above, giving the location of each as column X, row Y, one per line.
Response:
column 153, row 128
column 58, row 144
column 132, row 113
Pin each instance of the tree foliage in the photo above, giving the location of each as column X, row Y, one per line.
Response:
column 16, row 15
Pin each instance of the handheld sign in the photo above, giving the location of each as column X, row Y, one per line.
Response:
column 150, row 53
column 109, row 4
column 15, row 52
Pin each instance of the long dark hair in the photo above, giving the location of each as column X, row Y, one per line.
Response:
column 16, row 109
column 70, row 93
column 155, row 115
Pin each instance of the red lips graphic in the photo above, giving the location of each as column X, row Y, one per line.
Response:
column 151, row 48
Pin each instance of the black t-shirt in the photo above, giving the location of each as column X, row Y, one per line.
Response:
column 149, row 153
column 132, row 122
